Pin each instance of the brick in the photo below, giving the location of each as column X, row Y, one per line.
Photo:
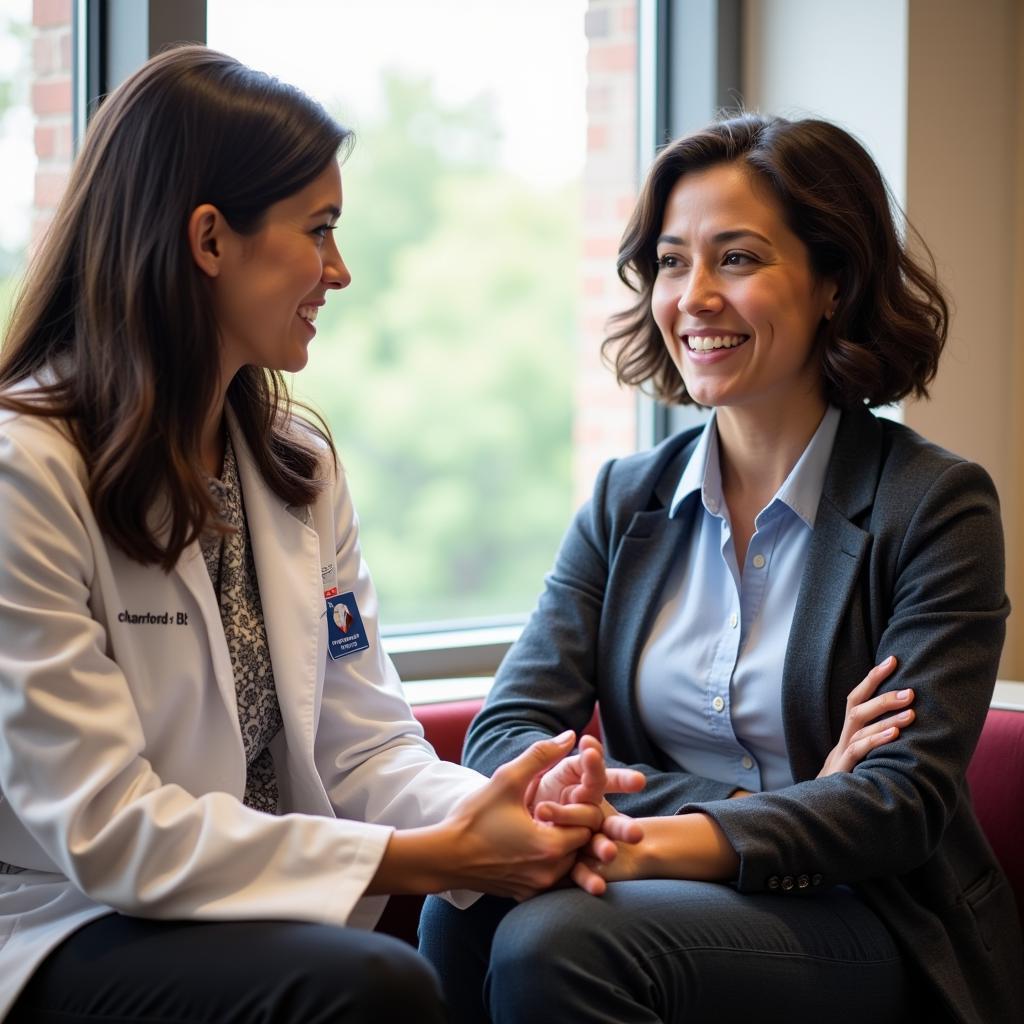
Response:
column 49, row 189
column 597, row 136
column 46, row 13
column 53, row 97
column 612, row 57
column 600, row 248
column 46, row 141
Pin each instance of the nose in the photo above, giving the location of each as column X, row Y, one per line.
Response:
column 335, row 272
column 700, row 294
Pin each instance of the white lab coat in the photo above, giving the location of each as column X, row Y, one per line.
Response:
column 121, row 759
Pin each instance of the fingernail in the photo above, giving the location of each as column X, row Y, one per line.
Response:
column 890, row 659
column 889, row 732
column 565, row 736
column 903, row 695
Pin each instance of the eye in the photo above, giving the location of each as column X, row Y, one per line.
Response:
column 735, row 258
column 668, row 262
column 321, row 232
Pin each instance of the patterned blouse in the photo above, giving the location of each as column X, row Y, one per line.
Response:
column 232, row 571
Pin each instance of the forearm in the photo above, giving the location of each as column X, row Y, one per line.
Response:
column 416, row 860
column 688, row 846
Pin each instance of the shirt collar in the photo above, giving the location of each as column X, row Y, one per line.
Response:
column 800, row 491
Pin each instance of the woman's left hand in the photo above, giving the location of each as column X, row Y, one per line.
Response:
column 864, row 728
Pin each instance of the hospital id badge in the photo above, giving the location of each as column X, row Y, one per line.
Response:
column 345, row 633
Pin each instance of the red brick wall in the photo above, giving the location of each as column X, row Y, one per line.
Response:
column 51, row 105
column 605, row 414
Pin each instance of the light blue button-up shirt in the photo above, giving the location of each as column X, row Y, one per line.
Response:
column 709, row 681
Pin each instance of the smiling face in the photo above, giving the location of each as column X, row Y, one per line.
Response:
column 269, row 286
column 735, row 299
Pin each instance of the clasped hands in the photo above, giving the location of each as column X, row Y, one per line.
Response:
column 544, row 817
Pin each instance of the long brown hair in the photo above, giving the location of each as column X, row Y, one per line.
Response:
column 114, row 305
column 891, row 319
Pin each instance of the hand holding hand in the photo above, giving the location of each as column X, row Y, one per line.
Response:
column 506, row 849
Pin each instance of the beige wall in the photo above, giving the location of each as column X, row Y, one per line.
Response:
column 936, row 91
column 965, row 114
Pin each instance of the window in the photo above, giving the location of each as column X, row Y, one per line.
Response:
column 483, row 203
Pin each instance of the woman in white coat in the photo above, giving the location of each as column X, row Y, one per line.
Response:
column 207, row 767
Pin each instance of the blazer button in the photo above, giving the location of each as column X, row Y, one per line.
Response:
column 802, row 882
column 787, row 883
column 773, row 882
column 816, row 879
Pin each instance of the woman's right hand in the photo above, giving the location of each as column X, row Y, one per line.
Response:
column 491, row 842
column 864, row 728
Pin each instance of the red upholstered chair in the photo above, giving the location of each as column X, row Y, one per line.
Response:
column 996, row 778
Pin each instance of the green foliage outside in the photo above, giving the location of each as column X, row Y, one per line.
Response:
column 445, row 368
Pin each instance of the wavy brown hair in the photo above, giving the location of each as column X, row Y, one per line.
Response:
column 890, row 324
column 115, row 310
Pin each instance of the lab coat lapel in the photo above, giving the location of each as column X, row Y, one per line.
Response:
column 834, row 560
column 286, row 554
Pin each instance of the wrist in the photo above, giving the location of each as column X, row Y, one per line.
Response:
column 416, row 861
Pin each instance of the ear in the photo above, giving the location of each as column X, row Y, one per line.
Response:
column 207, row 231
column 830, row 293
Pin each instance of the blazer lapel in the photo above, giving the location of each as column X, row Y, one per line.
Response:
column 286, row 553
column 834, row 560
column 641, row 563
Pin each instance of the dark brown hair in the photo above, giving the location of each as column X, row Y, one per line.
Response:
column 890, row 324
column 115, row 306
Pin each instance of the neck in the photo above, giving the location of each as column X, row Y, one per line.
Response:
column 211, row 443
column 758, row 448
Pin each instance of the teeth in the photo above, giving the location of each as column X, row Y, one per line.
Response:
column 713, row 341
column 309, row 312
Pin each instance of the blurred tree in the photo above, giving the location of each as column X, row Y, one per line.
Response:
column 445, row 368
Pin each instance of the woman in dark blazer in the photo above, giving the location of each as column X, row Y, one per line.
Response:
column 717, row 596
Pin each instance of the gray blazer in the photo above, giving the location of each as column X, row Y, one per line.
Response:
column 906, row 559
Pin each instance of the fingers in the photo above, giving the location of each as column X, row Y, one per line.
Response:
column 586, row 815
column 859, row 749
column 587, row 878
column 625, row 780
column 870, row 711
column 622, row 829
column 518, row 773
column 867, row 686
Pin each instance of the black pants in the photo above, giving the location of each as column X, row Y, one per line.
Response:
column 667, row 952
column 121, row 969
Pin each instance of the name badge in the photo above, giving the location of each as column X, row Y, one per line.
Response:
column 345, row 633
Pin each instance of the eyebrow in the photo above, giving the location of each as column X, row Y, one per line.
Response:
column 722, row 236
column 334, row 211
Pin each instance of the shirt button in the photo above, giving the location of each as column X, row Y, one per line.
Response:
column 733, row 619
column 747, row 763
column 816, row 879
column 773, row 882
column 718, row 704
column 802, row 882
column 758, row 561
column 787, row 883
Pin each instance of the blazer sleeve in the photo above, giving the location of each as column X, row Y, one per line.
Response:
column 548, row 682
column 946, row 623
column 73, row 758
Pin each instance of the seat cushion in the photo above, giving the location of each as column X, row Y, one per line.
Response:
column 996, row 777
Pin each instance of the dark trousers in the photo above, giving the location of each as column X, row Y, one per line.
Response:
column 120, row 969
column 666, row 951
